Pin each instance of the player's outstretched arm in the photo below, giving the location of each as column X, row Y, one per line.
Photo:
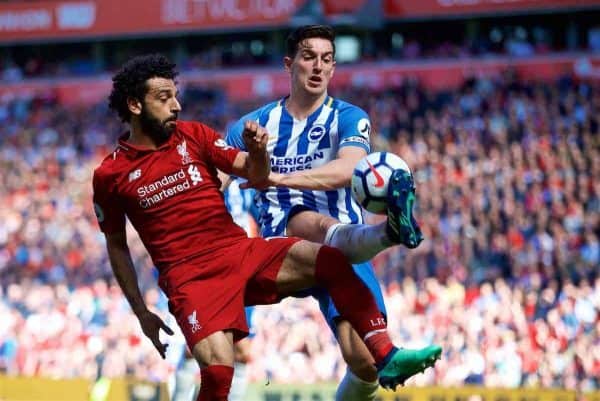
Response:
column 333, row 175
column 122, row 266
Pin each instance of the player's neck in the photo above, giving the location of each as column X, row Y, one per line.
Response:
column 138, row 138
column 300, row 107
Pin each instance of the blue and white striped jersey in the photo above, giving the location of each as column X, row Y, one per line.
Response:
column 301, row 145
column 240, row 204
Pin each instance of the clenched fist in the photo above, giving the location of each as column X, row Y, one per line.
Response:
column 255, row 137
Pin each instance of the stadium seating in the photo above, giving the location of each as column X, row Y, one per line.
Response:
column 507, row 279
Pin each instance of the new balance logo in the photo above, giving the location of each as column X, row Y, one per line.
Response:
column 194, row 323
column 134, row 175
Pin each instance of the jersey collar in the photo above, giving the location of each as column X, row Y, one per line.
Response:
column 327, row 102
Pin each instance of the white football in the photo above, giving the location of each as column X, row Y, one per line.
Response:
column 371, row 177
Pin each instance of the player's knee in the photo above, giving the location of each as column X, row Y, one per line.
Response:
column 214, row 358
column 309, row 225
column 324, row 224
column 214, row 350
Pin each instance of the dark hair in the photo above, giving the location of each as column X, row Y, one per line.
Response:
column 306, row 32
column 131, row 79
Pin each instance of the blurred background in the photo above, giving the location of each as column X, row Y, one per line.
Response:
column 495, row 105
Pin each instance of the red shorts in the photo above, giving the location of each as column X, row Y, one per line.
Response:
column 208, row 293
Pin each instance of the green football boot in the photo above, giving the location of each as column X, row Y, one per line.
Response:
column 402, row 228
column 405, row 363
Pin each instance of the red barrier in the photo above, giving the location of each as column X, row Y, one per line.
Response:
column 87, row 18
column 333, row 7
column 250, row 84
column 429, row 8
column 55, row 19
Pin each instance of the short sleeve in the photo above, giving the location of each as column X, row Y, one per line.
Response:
column 234, row 134
column 219, row 152
column 108, row 209
column 235, row 130
column 354, row 128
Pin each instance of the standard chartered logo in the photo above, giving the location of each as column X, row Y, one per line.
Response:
column 194, row 174
column 168, row 186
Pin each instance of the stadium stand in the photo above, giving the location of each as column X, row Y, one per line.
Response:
column 506, row 163
column 507, row 277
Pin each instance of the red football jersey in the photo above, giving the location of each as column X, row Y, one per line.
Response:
column 171, row 194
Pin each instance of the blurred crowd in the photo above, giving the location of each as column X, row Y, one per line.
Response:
column 494, row 334
column 450, row 40
column 507, row 279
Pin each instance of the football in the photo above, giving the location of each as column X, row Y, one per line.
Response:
column 371, row 177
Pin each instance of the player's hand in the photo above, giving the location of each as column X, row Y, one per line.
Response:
column 271, row 181
column 255, row 137
column 151, row 325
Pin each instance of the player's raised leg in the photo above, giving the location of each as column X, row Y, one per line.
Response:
column 361, row 242
column 360, row 381
column 308, row 264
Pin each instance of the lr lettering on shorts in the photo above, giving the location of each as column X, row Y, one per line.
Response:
column 379, row 322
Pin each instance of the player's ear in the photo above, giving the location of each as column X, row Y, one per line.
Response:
column 287, row 63
column 134, row 106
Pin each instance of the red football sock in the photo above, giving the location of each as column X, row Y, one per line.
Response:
column 353, row 300
column 215, row 383
column 380, row 345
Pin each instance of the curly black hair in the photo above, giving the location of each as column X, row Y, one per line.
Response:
column 302, row 33
column 131, row 79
